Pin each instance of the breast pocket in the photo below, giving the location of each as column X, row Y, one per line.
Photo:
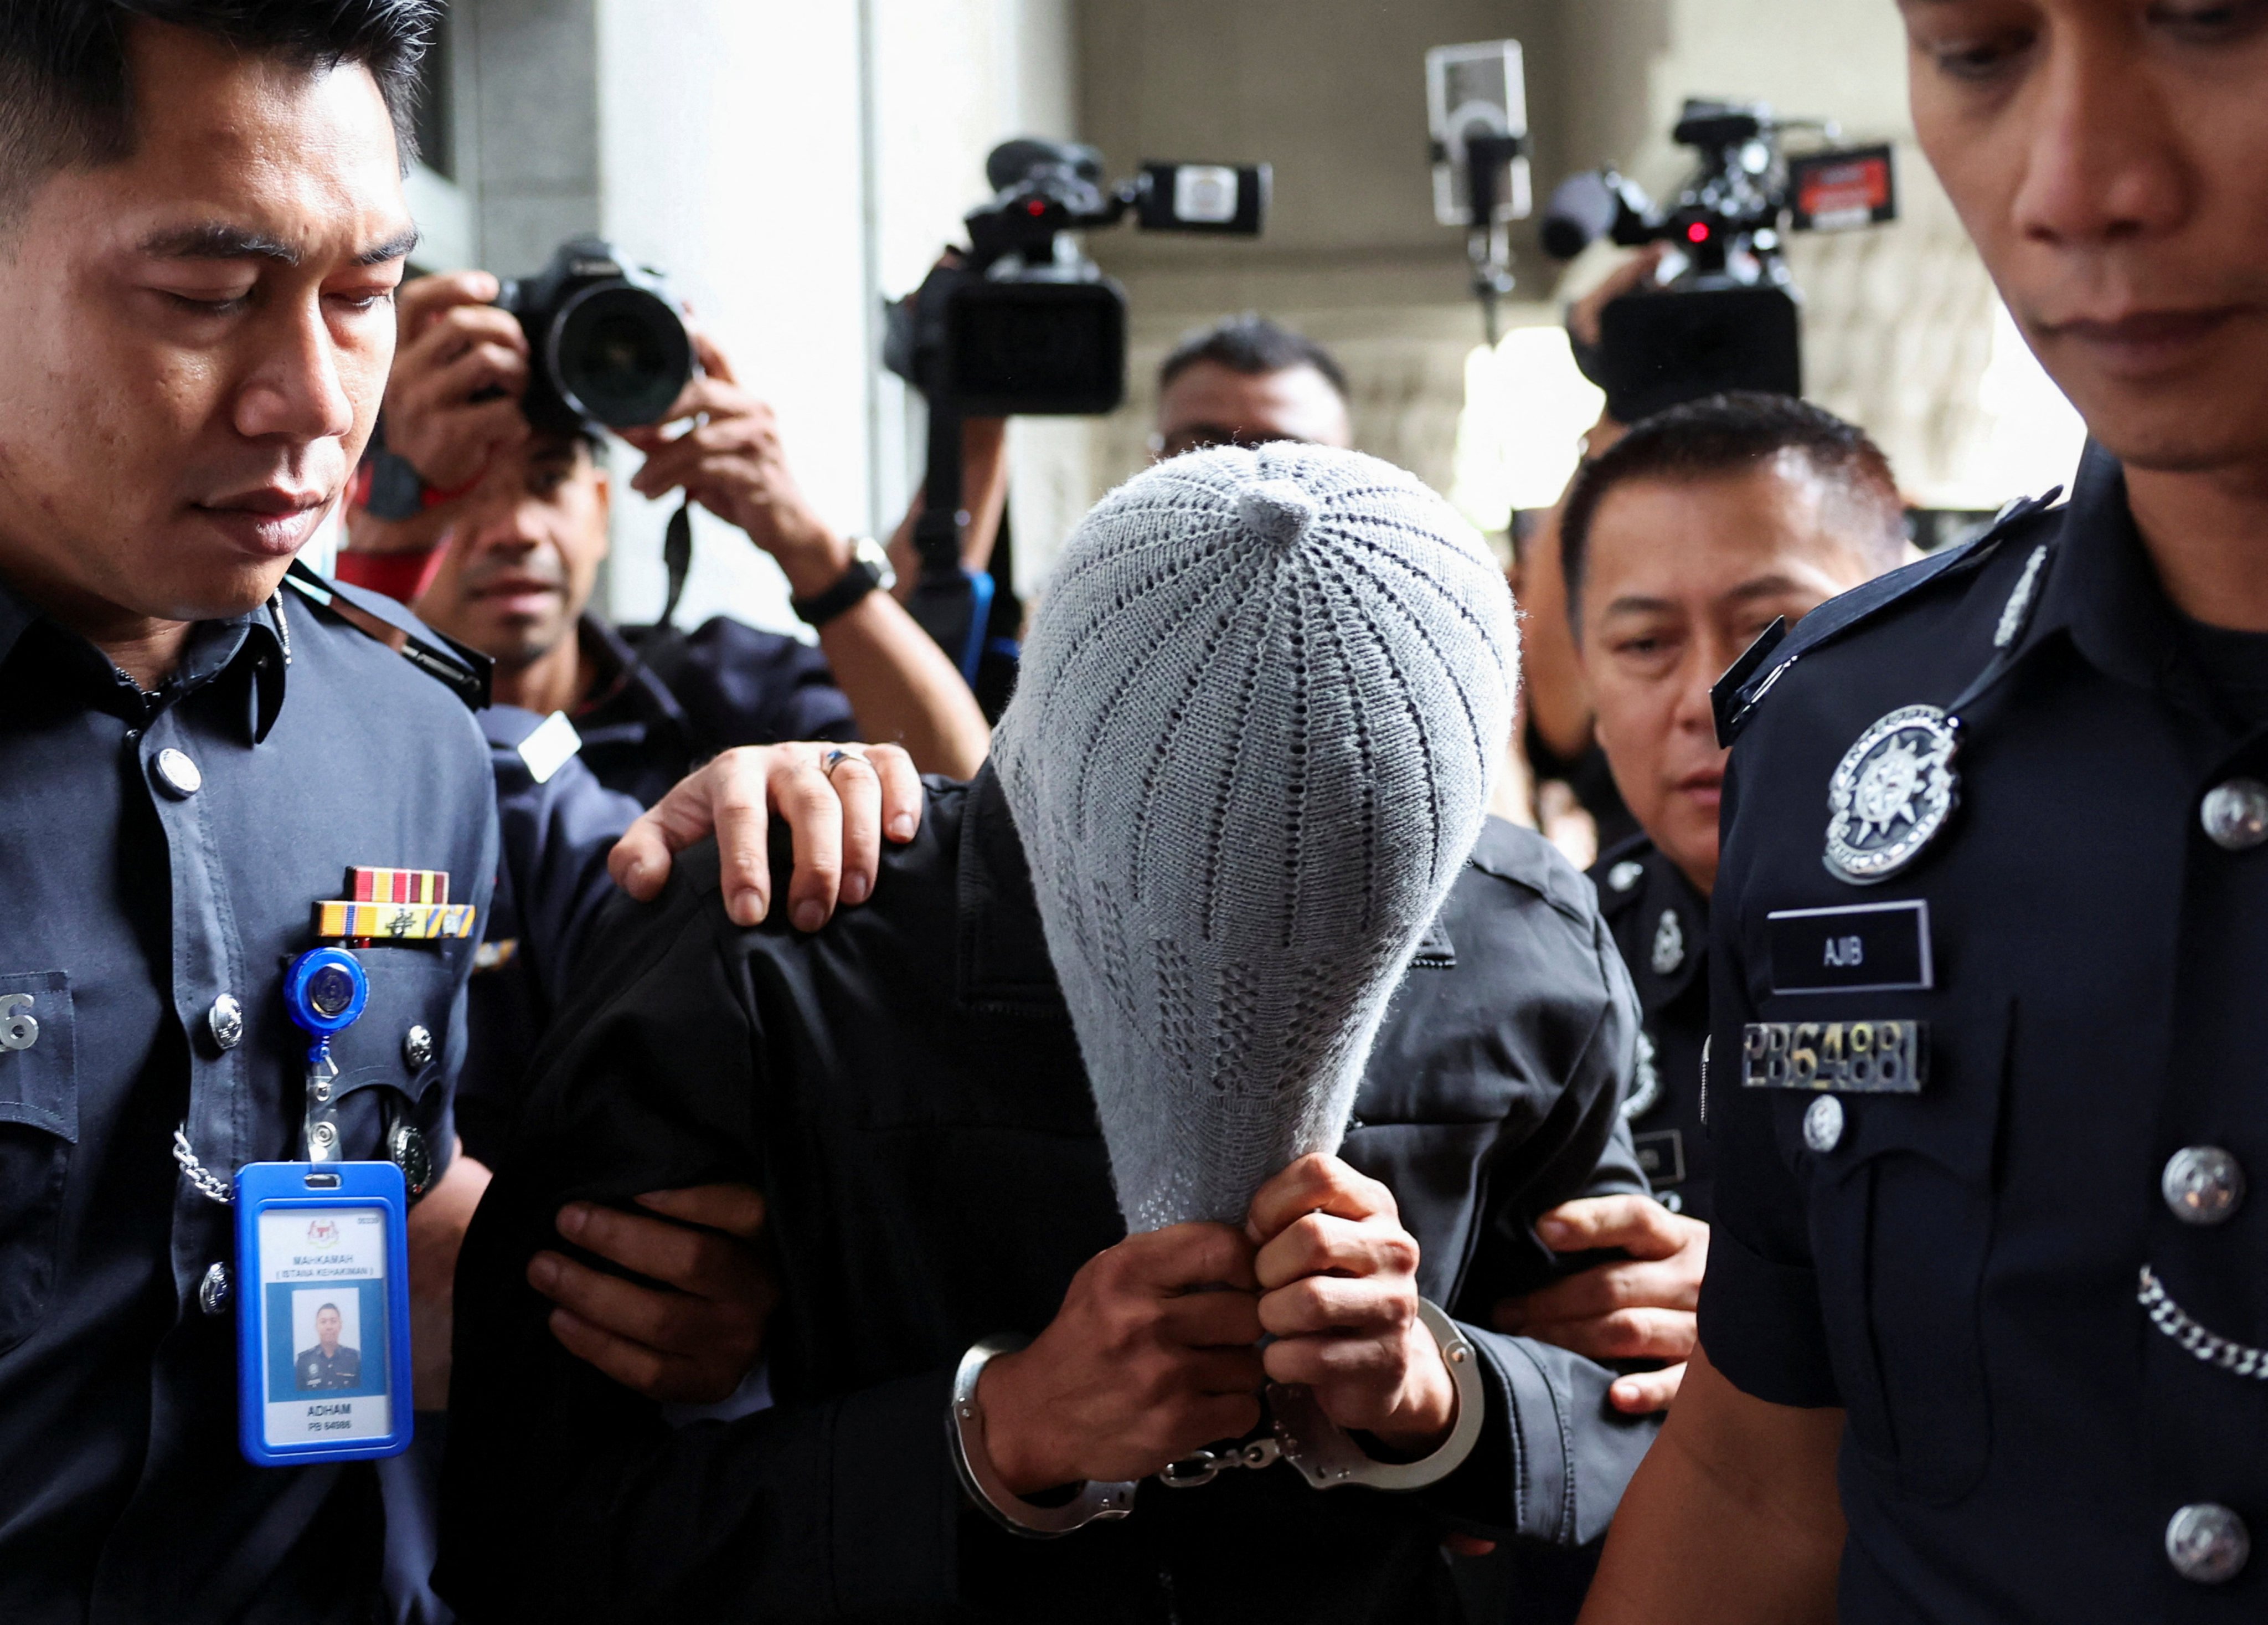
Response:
column 396, row 1052
column 39, row 1125
column 1902, row 1216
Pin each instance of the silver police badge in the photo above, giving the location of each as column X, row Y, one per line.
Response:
column 1891, row 794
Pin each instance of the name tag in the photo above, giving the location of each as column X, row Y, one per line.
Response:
column 1865, row 947
column 1865, row 1058
column 1662, row 1156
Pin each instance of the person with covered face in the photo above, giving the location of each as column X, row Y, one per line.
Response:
column 1115, row 1283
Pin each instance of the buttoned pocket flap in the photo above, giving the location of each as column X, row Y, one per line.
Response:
column 400, row 1038
column 38, row 1080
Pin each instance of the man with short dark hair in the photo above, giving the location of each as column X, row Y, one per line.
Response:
column 1984, row 1326
column 329, row 1364
column 1246, row 381
column 1698, row 528
column 202, row 225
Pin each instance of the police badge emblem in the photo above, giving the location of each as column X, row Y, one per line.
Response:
column 1891, row 793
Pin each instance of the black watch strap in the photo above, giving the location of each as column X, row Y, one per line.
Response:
column 852, row 585
column 397, row 490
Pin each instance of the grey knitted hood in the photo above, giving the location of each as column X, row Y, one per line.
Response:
column 1261, row 705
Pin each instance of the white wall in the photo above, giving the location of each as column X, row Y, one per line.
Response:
column 790, row 164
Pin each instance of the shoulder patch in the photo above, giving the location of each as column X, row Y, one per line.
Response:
column 464, row 672
column 1734, row 702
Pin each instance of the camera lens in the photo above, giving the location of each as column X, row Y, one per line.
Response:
column 620, row 355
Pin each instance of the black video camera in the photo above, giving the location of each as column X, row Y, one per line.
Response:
column 1726, row 319
column 1026, row 325
column 607, row 345
column 1022, row 324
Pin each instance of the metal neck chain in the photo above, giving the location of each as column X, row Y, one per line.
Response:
column 207, row 1183
column 2238, row 1359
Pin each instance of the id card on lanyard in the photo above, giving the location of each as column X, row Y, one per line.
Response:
column 323, row 1248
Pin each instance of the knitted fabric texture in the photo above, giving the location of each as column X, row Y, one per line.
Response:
column 1260, row 707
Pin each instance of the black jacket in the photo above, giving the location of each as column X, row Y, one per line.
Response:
column 906, row 1087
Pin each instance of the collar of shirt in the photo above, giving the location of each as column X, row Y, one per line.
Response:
column 212, row 648
column 2100, row 590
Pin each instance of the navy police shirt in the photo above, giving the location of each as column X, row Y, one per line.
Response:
column 666, row 702
column 1661, row 925
column 160, row 857
column 1984, row 1124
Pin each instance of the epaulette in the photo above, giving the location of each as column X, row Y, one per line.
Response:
column 464, row 672
column 1733, row 698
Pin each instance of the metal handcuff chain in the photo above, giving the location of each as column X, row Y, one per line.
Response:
column 1322, row 1452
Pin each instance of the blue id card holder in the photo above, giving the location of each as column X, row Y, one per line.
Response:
column 323, row 1251
column 322, row 1318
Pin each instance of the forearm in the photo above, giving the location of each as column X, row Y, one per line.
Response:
column 1733, row 1519
column 902, row 689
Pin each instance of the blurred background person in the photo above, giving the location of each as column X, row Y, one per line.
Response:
column 514, row 530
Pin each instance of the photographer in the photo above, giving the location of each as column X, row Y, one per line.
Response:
column 508, row 547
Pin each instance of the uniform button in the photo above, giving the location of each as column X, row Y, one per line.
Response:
column 212, row 1291
column 226, row 1019
column 1823, row 1124
column 177, row 774
column 2207, row 1543
column 416, row 1048
column 2202, row 1184
column 1625, row 875
column 2235, row 814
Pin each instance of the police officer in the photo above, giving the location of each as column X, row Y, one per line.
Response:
column 1680, row 542
column 1988, row 929
column 195, row 755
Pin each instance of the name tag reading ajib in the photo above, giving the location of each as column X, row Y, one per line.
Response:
column 1866, row 948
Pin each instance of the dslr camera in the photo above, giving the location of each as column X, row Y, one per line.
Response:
column 1026, row 325
column 606, row 344
column 1727, row 317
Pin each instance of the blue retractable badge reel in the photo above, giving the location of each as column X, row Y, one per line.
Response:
column 322, row 1252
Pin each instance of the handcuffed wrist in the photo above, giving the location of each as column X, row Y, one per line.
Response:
column 972, row 1461
column 1328, row 1457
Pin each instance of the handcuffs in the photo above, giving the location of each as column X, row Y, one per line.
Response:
column 1318, row 1448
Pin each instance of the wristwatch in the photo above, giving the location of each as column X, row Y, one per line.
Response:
column 870, row 568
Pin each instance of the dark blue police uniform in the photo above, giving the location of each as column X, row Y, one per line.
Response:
column 1661, row 925
column 162, row 855
column 666, row 702
column 1983, row 1122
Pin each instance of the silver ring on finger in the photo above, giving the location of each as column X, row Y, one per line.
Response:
column 834, row 758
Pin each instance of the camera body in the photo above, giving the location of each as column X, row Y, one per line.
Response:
column 606, row 344
column 1026, row 325
column 1727, row 318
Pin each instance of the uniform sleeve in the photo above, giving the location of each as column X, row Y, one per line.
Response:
column 1760, row 1315
column 567, row 1497
column 1556, row 1456
column 437, row 1108
column 556, row 836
